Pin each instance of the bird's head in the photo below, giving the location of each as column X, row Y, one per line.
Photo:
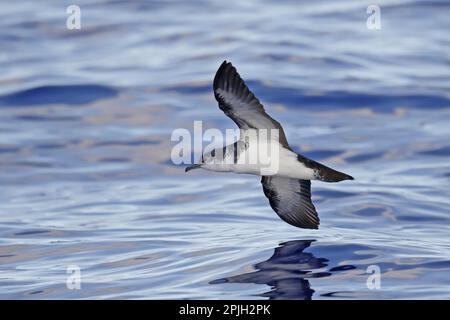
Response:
column 208, row 159
column 192, row 167
column 196, row 165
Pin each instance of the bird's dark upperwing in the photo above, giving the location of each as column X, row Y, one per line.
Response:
column 240, row 104
column 291, row 200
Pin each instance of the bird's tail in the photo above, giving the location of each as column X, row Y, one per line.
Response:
column 331, row 175
column 324, row 173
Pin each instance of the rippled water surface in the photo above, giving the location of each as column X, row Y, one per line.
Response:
column 86, row 118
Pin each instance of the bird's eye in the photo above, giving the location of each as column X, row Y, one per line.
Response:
column 213, row 153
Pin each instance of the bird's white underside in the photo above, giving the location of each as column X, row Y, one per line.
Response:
column 283, row 162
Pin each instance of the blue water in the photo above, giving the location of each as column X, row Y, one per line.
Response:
column 85, row 171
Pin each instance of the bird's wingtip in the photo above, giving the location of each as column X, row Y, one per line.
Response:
column 223, row 64
column 220, row 73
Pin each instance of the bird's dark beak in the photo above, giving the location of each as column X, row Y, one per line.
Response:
column 194, row 166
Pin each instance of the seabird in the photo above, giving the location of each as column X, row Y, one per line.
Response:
column 289, row 188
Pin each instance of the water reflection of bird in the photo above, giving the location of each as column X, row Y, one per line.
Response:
column 286, row 178
column 287, row 272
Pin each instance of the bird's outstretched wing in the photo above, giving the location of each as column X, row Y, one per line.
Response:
column 291, row 200
column 240, row 104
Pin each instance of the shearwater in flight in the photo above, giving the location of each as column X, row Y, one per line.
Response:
column 288, row 188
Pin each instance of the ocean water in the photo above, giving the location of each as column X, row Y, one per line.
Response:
column 87, row 181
